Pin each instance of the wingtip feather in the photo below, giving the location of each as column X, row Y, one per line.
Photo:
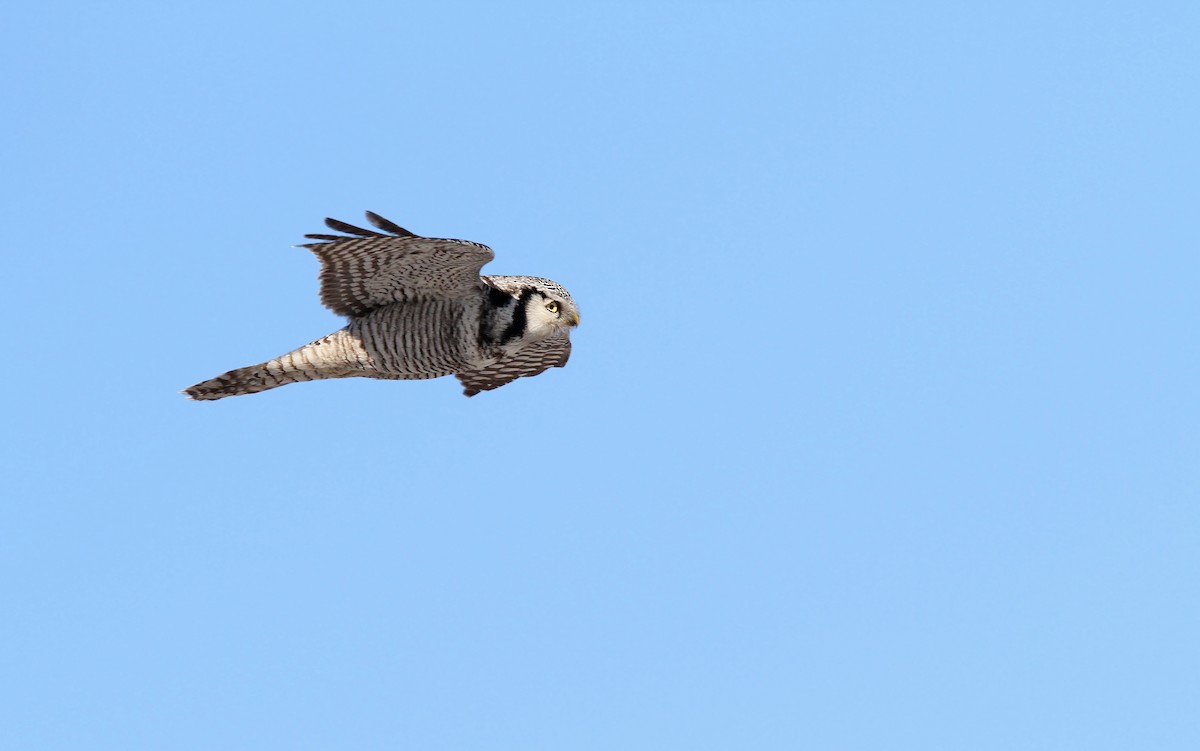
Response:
column 387, row 225
column 349, row 229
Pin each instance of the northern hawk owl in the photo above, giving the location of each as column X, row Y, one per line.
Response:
column 417, row 308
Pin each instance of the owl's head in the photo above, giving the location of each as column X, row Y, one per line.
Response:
column 548, row 308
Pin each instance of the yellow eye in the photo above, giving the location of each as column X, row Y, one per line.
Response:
column 552, row 307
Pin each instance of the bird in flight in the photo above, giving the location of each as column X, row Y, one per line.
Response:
column 417, row 307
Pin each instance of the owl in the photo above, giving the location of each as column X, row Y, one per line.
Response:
column 417, row 308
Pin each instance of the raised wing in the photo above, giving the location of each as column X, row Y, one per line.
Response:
column 551, row 352
column 365, row 269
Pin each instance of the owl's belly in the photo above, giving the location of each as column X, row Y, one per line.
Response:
column 417, row 340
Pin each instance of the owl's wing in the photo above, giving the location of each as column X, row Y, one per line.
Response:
column 551, row 352
column 365, row 269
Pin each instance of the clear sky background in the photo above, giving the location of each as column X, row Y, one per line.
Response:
column 880, row 431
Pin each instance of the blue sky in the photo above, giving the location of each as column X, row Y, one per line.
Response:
column 880, row 430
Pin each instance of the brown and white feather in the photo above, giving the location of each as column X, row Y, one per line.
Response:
column 530, row 360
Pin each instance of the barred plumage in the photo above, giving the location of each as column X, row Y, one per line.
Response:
column 418, row 308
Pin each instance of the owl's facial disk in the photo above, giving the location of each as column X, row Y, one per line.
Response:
column 547, row 313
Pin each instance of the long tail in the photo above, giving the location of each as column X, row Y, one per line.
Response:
column 324, row 358
column 248, row 380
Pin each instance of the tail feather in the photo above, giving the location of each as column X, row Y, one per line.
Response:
column 248, row 380
column 328, row 357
